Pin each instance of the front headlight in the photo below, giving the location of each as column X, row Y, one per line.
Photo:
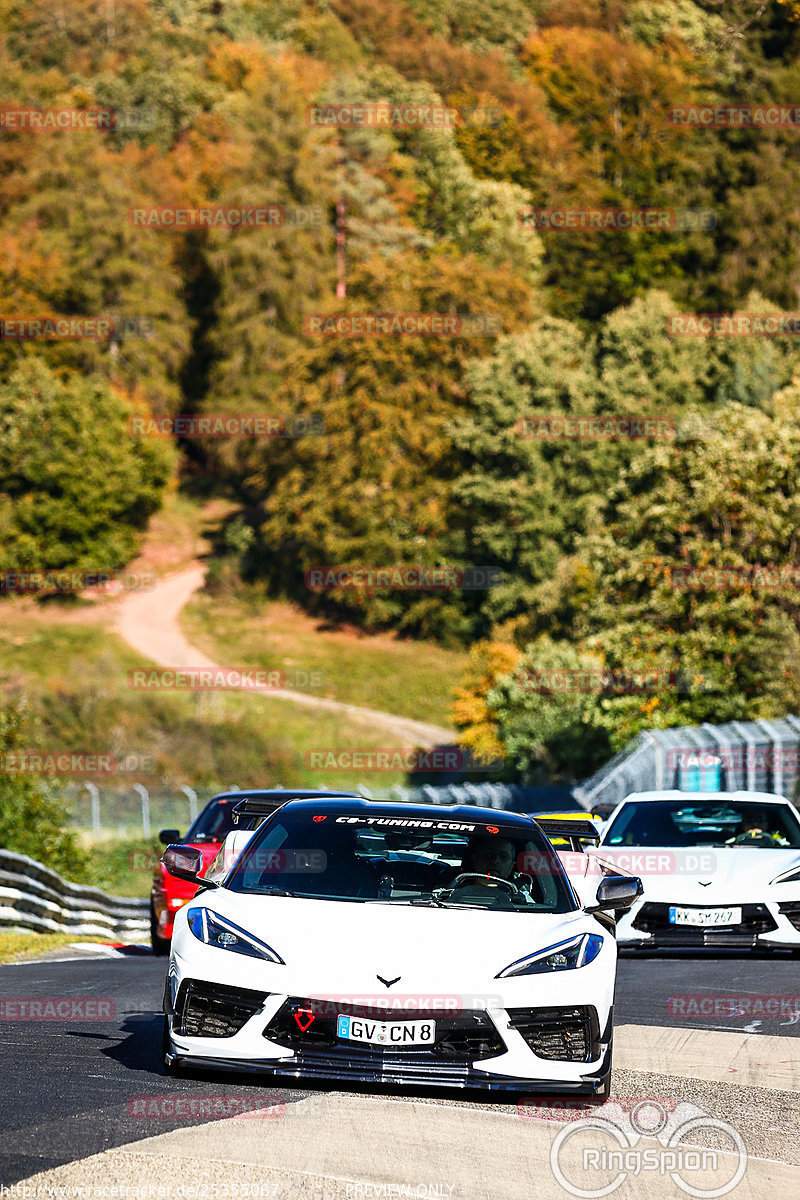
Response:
column 564, row 956
column 214, row 930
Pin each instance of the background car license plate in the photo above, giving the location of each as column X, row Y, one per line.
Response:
column 386, row 1033
column 705, row 916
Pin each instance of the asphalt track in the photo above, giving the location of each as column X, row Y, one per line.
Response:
column 68, row 1091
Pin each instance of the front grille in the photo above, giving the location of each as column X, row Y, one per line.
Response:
column 566, row 1034
column 654, row 918
column 463, row 1038
column 214, row 1010
column 791, row 910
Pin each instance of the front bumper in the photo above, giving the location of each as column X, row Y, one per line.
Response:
column 765, row 925
column 232, row 1028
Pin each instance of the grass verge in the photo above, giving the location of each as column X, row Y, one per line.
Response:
column 17, row 947
column 412, row 679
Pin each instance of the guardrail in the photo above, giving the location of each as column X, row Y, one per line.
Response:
column 36, row 898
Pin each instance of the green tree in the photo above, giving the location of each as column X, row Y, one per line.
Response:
column 373, row 490
column 32, row 812
column 77, row 488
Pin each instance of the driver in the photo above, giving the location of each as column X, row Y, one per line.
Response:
column 497, row 857
column 755, row 832
column 489, row 856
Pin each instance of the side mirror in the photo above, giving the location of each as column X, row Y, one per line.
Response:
column 184, row 862
column 168, row 836
column 616, row 893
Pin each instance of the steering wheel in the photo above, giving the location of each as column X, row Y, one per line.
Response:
column 481, row 878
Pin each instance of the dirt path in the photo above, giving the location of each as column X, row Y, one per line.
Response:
column 148, row 621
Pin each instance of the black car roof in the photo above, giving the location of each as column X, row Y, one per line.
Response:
column 279, row 794
column 427, row 812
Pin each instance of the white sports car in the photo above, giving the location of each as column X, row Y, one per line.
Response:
column 720, row 869
column 392, row 943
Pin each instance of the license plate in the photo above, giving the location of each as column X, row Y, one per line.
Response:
column 708, row 917
column 386, row 1033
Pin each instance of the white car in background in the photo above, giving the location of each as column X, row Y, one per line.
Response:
column 719, row 869
column 352, row 940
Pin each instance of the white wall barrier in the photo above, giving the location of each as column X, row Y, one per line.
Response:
column 36, row 898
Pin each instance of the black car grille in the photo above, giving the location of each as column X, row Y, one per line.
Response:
column 214, row 1010
column 791, row 910
column 566, row 1034
column 463, row 1038
column 654, row 918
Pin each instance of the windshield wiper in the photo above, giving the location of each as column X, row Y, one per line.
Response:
column 280, row 892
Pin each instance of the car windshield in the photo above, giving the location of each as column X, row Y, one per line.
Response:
column 699, row 822
column 394, row 860
column 215, row 821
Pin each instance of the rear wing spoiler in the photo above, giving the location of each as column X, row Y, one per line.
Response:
column 255, row 806
column 577, row 833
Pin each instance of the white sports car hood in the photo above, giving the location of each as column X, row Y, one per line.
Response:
column 704, row 874
column 348, row 944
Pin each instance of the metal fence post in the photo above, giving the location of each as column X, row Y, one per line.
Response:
column 142, row 790
column 192, row 795
column 95, row 794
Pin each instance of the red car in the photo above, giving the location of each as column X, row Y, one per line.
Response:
column 168, row 894
column 207, row 834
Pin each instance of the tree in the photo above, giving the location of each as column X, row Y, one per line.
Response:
column 77, row 488
column 373, row 490
column 689, row 578
column 32, row 812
